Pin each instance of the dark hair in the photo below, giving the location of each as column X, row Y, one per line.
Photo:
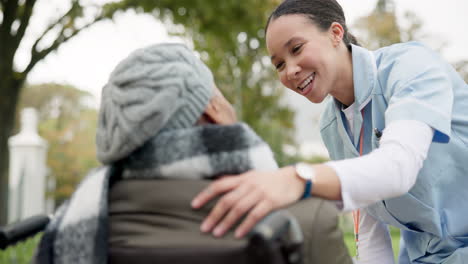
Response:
column 320, row 12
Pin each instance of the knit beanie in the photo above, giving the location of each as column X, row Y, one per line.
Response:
column 164, row 86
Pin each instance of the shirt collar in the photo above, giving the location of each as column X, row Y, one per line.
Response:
column 364, row 75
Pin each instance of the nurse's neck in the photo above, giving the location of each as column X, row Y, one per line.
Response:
column 344, row 91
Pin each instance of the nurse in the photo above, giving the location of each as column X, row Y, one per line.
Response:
column 396, row 129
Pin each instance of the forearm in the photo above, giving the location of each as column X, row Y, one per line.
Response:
column 388, row 171
column 327, row 183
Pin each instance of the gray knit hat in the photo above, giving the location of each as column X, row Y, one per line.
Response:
column 164, row 86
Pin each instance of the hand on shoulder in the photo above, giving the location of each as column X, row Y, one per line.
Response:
column 253, row 194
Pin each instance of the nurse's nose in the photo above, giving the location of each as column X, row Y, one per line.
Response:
column 292, row 71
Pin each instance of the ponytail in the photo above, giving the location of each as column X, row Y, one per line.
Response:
column 349, row 39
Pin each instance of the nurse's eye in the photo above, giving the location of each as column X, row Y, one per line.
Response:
column 296, row 48
column 279, row 66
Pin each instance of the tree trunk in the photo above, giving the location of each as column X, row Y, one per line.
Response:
column 9, row 92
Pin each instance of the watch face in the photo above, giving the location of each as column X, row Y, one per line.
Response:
column 304, row 171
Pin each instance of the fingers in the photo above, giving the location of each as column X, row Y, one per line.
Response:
column 221, row 208
column 246, row 200
column 214, row 189
column 253, row 194
column 257, row 213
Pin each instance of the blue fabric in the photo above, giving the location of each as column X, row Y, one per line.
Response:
column 408, row 81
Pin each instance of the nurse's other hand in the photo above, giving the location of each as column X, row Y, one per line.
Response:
column 254, row 194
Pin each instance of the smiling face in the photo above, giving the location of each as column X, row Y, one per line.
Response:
column 308, row 61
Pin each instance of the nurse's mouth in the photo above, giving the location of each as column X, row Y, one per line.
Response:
column 306, row 85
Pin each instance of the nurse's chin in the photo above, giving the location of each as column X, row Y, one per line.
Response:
column 316, row 99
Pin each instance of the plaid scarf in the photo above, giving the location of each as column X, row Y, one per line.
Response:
column 78, row 231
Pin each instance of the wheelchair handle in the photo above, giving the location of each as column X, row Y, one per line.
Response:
column 280, row 226
column 13, row 233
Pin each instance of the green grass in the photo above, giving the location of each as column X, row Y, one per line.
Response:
column 21, row 253
column 394, row 233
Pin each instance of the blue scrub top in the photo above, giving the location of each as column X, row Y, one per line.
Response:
column 408, row 81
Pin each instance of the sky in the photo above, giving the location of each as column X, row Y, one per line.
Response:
column 87, row 60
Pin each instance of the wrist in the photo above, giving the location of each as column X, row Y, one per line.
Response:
column 327, row 184
column 295, row 184
column 306, row 173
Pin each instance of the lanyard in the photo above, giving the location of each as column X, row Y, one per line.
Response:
column 357, row 213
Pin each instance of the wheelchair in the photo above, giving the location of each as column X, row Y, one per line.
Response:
column 277, row 239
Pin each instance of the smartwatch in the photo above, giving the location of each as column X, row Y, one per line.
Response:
column 306, row 173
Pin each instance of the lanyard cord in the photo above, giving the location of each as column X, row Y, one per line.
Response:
column 357, row 213
column 356, row 216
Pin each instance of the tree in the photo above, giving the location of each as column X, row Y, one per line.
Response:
column 216, row 28
column 72, row 152
column 380, row 28
column 55, row 101
column 14, row 21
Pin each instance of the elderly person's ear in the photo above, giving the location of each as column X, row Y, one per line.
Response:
column 219, row 110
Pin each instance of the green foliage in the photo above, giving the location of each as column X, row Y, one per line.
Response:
column 317, row 159
column 21, row 253
column 72, row 151
column 54, row 100
column 380, row 28
column 351, row 245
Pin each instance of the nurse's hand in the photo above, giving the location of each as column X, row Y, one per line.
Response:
column 254, row 194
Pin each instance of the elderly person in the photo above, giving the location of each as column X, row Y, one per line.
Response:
column 164, row 132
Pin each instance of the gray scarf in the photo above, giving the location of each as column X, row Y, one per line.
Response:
column 78, row 232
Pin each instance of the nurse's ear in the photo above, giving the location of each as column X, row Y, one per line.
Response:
column 336, row 33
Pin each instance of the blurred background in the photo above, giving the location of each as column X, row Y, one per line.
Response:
column 56, row 55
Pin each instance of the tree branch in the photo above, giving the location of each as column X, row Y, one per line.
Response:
column 36, row 56
column 107, row 12
column 54, row 24
column 24, row 22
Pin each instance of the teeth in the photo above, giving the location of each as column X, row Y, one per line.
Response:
column 306, row 82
